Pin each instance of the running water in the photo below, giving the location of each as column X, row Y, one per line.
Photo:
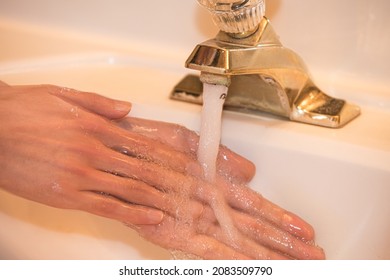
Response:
column 209, row 141
column 210, row 136
column 210, row 128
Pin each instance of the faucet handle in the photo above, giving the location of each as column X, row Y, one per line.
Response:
column 237, row 17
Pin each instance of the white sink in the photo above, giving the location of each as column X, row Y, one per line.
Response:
column 338, row 180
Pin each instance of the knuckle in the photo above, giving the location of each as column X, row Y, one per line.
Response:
column 105, row 204
column 93, row 124
column 52, row 89
column 77, row 157
column 72, row 165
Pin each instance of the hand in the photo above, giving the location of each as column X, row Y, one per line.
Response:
column 261, row 229
column 56, row 147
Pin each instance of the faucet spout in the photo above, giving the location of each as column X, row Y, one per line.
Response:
column 263, row 76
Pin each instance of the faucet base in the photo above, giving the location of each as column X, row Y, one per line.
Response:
column 315, row 107
column 312, row 105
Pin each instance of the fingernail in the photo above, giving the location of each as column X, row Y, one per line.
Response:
column 122, row 106
column 155, row 216
column 298, row 227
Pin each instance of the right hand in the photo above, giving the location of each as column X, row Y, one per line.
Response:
column 261, row 229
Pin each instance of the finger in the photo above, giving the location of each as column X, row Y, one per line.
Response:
column 169, row 133
column 127, row 189
column 261, row 232
column 242, row 198
column 244, row 234
column 98, row 104
column 137, row 192
column 110, row 207
column 139, row 146
column 209, row 248
column 212, row 243
column 186, row 141
column 142, row 182
column 276, row 239
column 245, row 199
column 177, row 236
column 156, row 175
column 132, row 144
column 244, row 245
column 99, row 193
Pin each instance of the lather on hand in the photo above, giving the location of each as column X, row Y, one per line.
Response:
column 78, row 150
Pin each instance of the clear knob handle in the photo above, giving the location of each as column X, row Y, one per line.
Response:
column 236, row 16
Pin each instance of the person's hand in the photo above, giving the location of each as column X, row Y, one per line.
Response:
column 57, row 148
column 256, row 228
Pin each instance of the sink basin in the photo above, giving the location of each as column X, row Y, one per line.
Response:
column 337, row 180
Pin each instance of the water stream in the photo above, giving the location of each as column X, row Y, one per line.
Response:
column 209, row 143
column 210, row 136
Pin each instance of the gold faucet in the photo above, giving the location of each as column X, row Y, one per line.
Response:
column 262, row 75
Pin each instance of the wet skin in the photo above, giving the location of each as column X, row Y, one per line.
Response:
column 78, row 150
